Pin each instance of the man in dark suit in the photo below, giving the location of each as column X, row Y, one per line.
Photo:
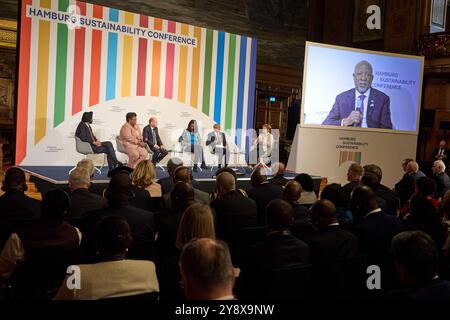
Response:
column 417, row 260
column 441, row 178
column 85, row 133
column 142, row 223
column 374, row 228
column 390, row 196
column 81, row 198
column 167, row 182
column 16, row 208
column 262, row 192
column 234, row 211
column 406, row 186
column 362, row 106
column 291, row 193
column 217, row 143
column 279, row 179
column 441, row 152
column 280, row 248
column 151, row 136
column 354, row 174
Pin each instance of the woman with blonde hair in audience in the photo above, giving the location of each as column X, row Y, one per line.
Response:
column 197, row 222
column 144, row 176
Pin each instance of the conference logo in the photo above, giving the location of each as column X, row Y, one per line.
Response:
column 353, row 156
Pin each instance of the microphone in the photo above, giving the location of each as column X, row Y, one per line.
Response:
column 358, row 108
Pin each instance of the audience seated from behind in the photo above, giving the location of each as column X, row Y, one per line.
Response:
column 441, row 178
column 115, row 275
column 181, row 197
column 417, row 262
column 88, row 164
column 262, row 192
column 424, row 188
column 81, row 198
column 335, row 193
column 374, row 228
column 405, row 187
column 280, row 248
column 16, row 208
column 391, row 197
column 144, row 176
column 234, row 211
column 196, row 222
column 142, row 222
column 330, row 247
column 206, row 270
column 50, row 234
column 371, row 180
column 354, row 174
column 167, row 182
column 308, row 196
column 278, row 168
column 292, row 193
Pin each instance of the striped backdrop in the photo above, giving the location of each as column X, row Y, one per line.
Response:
column 354, row 156
column 64, row 71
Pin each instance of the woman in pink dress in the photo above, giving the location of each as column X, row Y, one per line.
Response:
column 131, row 138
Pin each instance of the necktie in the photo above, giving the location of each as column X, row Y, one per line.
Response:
column 90, row 131
column 360, row 108
column 154, row 137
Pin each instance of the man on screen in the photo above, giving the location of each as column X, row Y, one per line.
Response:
column 362, row 106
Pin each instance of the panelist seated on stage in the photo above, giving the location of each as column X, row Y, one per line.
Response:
column 263, row 145
column 191, row 141
column 84, row 133
column 362, row 106
column 217, row 143
column 131, row 138
column 152, row 138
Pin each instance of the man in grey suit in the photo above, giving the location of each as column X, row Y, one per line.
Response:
column 217, row 143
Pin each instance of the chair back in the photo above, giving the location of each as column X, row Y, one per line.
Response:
column 119, row 145
column 83, row 147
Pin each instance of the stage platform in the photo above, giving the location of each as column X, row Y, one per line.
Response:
column 48, row 177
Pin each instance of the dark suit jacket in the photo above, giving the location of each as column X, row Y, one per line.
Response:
column 442, row 184
column 375, row 233
column 277, row 250
column 378, row 109
column 279, row 180
column 147, row 135
column 142, row 225
column 436, row 289
column 301, row 213
column 82, row 201
column 262, row 195
column 405, row 188
column 347, row 190
column 391, row 197
column 446, row 155
column 234, row 211
column 166, row 184
column 84, row 134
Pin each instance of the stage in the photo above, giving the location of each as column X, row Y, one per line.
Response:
column 49, row 177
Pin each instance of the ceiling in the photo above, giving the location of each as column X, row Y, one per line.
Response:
column 279, row 25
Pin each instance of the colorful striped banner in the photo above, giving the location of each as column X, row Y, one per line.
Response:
column 353, row 156
column 214, row 76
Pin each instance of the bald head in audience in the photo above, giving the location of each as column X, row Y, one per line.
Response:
column 364, row 200
column 206, row 270
column 412, row 167
column 14, row 180
column 323, row 213
column 279, row 215
column 225, row 183
column 183, row 174
column 292, row 191
column 172, row 164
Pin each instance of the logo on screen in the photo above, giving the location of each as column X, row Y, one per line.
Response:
column 353, row 156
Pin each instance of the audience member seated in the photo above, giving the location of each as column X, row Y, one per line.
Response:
column 406, row 186
column 308, row 196
column 196, row 222
column 330, row 248
column 354, row 174
column 144, row 176
column 425, row 217
column 292, row 193
column 88, row 164
column 417, row 261
column 206, row 270
column 335, row 193
column 392, row 199
column 81, row 198
column 278, row 168
column 167, row 182
column 34, row 257
column 278, row 251
column 374, row 228
column 371, row 180
column 181, row 197
column 262, row 192
column 141, row 222
column 441, row 178
column 115, row 275
column 234, row 211
column 16, row 208
column 445, row 263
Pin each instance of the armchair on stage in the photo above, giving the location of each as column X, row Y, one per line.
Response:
column 85, row 149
